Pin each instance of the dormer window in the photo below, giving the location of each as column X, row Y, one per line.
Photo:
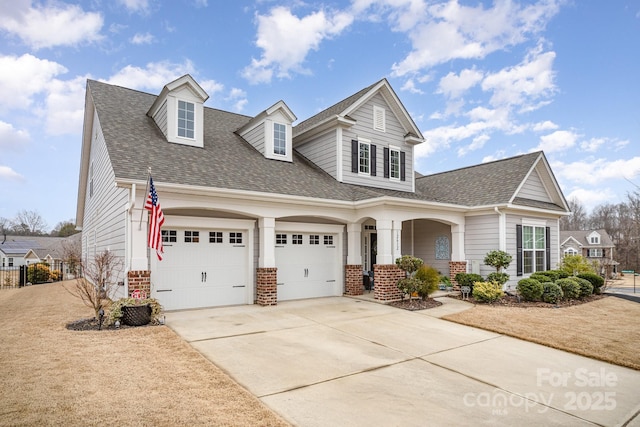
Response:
column 279, row 139
column 594, row 239
column 186, row 119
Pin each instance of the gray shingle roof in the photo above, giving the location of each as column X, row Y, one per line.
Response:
column 227, row 161
column 582, row 237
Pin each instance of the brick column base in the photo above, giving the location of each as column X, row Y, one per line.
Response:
column 353, row 280
column 386, row 278
column 456, row 267
column 267, row 286
column 139, row 280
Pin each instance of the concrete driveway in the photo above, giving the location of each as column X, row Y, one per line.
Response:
column 347, row 362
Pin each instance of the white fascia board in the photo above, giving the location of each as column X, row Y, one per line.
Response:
column 325, row 125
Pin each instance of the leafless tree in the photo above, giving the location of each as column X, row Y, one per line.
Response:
column 28, row 223
column 98, row 283
column 577, row 220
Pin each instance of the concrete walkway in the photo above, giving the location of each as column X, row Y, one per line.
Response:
column 349, row 362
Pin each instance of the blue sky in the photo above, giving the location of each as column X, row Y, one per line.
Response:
column 483, row 80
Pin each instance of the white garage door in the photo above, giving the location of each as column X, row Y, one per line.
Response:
column 307, row 265
column 202, row 268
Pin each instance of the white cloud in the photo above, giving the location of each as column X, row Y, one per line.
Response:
column 592, row 198
column 153, row 77
column 594, row 171
column 211, row 86
column 141, row 6
column 52, row 24
column 477, row 143
column 23, row 77
column 593, row 144
column 544, row 126
column 454, row 85
column 140, row 38
column 65, row 106
column 286, row 40
column 11, row 138
column 447, row 30
column 239, row 99
column 560, row 140
column 520, row 85
column 9, row 174
column 410, row 86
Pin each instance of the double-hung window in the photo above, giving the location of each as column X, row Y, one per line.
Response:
column 279, row 139
column 365, row 157
column 186, row 119
column 394, row 163
column 533, row 248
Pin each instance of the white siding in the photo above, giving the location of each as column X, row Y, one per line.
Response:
column 394, row 135
column 104, row 215
column 321, row 150
column 534, row 189
column 161, row 118
column 255, row 137
column 481, row 236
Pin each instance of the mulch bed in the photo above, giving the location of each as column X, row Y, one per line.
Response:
column 416, row 304
column 512, row 301
column 92, row 324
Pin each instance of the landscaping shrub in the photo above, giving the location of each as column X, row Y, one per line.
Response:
column 552, row 293
column 561, row 274
column 594, row 279
column 428, row 279
column 487, row 291
column 468, row 279
column 409, row 263
column 408, row 285
column 570, row 288
column 586, row 288
column 553, row 275
column 530, row 289
column 498, row 259
column 38, row 273
column 540, row 277
column 501, row 278
column 575, row 264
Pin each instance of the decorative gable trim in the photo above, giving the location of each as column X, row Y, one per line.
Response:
column 546, row 180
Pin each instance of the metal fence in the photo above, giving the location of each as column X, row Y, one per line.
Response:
column 32, row 274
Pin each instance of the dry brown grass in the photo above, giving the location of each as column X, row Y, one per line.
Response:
column 605, row 329
column 139, row 376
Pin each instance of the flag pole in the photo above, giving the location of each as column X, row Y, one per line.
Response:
column 144, row 199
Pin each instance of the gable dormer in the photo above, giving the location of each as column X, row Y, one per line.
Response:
column 270, row 132
column 593, row 238
column 179, row 111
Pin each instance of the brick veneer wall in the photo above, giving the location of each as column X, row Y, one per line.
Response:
column 139, row 280
column 386, row 277
column 456, row 267
column 353, row 280
column 267, row 286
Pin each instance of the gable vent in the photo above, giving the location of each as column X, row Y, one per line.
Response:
column 379, row 119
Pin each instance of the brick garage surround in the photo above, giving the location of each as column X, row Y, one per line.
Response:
column 386, row 277
column 267, row 286
column 456, row 267
column 353, row 279
column 139, row 280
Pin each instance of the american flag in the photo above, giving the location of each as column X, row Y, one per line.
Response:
column 156, row 220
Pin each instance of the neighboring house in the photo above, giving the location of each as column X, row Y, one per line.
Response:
column 258, row 210
column 16, row 251
column 594, row 245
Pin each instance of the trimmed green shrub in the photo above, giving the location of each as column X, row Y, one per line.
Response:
column 541, row 277
column 573, row 264
column 552, row 293
column 487, row 291
column 408, row 286
column 553, row 275
column 428, row 278
column 530, row 289
column 468, row 279
column 501, row 278
column 594, row 279
column 586, row 288
column 498, row 260
column 570, row 288
column 561, row 274
column 409, row 263
column 38, row 273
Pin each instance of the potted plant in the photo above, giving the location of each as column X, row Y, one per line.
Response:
column 445, row 284
column 134, row 311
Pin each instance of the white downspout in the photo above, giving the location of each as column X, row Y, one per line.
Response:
column 502, row 229
column 129, row 236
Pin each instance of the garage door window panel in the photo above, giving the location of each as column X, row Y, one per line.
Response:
column 235, row 238
column 215, row 237
column 191, row 236
column 281, row 239
column 169, row 236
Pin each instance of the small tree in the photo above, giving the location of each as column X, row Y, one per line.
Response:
column 409, row 264
column 575, row 264
column 98, row 283
column 498, row 259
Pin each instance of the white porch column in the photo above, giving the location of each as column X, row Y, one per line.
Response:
column 267, row 257
column 385, row 241
column 354, row 244
column 397, row 240
column 457, row 243
column 138, row 238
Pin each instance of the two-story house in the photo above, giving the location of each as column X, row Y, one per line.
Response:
column 259, row 209
column 594, row 245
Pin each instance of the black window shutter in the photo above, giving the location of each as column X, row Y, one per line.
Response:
column 373, row 159
column 548, row 248
column 402, row 166
column 386, row 162
column 519, row 250
column 354, row 156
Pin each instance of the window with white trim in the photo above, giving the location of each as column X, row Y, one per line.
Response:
column 296, row 239
column 314, row 239
column 191, row 236
column 215, row 237
column 533, row 249
column 594, row 239
column 570, row 251
column 394, row 163
column 595, row 253
column 10, row 261
column 235, row 237
column 169, row 236
column 281, row 239
column 379, row 122
column 328, row 240
column 364, row 156
column 279, row 139
column 186, row 119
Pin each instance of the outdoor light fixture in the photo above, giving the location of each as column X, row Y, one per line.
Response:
column 117, row 324
column 101, row 318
